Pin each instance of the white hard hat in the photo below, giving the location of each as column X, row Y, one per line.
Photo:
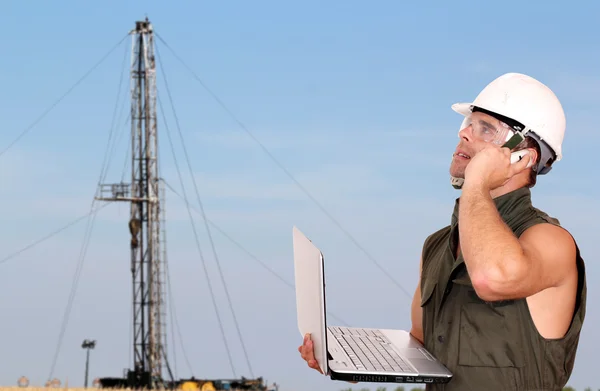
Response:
column 525, row 100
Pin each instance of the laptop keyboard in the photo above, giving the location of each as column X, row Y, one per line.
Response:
column 370, row 350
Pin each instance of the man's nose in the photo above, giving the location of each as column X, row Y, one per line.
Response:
column 466, row 133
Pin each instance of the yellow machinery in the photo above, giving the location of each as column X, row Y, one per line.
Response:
column 195, row 385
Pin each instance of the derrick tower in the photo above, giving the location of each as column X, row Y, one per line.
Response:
column 145, row 197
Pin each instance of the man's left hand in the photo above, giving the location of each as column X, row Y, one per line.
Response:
column 490, row 168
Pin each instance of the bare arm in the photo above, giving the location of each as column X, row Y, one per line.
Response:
column 503, row 266
column 416, row 312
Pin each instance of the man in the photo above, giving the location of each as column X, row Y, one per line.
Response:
column 502, row 294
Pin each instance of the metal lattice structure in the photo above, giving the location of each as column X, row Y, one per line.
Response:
column 143, row 193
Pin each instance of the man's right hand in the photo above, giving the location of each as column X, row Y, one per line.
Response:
column 307, row 352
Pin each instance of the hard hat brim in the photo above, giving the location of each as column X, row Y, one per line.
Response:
column 463, row 108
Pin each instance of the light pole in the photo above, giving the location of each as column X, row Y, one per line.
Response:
column 87, row 344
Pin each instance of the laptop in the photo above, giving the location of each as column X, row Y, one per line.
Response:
column 351, row 353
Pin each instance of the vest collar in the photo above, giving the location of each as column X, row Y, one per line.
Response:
column 506, row 203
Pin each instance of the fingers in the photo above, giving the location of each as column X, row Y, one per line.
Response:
column 307, row 353
column 522, row 164
column 306, row 349
column 314, row 365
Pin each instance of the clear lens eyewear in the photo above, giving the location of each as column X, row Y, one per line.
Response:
column 485, row 131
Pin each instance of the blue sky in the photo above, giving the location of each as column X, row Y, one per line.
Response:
column 353, row 99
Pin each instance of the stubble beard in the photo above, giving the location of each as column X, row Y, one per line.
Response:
column 457, row 169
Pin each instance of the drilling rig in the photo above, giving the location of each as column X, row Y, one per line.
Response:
column 145, row 213
column 146, row 224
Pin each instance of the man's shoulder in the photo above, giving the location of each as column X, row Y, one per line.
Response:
column 436, row 236
column 542, row 214
column 434, row 241
column 546, row 239
column 549, row 238
column 547, row 225
column 532, row 217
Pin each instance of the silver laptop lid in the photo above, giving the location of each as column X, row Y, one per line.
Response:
column 310, row 295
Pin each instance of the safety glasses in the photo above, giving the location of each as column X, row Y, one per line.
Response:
column 485, row 131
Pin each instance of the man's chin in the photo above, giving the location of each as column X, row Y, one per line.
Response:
column 457, row 172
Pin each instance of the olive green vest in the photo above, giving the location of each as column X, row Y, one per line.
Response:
column 491, row 346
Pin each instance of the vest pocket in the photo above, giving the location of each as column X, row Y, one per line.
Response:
column 488, row 338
